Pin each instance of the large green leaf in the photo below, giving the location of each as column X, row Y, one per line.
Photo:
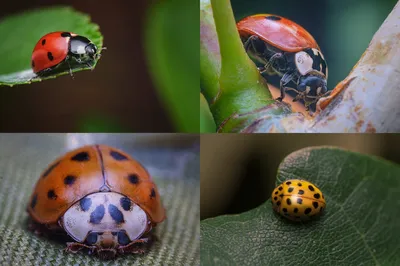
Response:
column 360, row 226
column 20, row 33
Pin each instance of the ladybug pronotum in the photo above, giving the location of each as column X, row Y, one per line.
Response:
column 298, row 200
column 99, row 196
column 285, row 48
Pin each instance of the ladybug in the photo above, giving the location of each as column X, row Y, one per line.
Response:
column 298, row 200
column 57, row 51
column 287, row 49
column 101, row 198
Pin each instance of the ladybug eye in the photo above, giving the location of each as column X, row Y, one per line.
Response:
column 123, row 238
column 91, row 239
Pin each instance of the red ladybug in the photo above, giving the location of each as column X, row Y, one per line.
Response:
column 287, row 49
column 62, row 50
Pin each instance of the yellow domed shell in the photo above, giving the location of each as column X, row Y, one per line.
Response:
column 298, row 200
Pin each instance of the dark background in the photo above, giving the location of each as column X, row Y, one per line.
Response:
column 118, row 95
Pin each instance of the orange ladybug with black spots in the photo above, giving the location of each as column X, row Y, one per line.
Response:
column 298, row 200
column 101, row 197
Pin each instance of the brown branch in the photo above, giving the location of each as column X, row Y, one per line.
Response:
column 368, row 100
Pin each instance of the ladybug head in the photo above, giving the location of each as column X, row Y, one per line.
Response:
column 104, row 243
column 312, row 85
column 91, row 50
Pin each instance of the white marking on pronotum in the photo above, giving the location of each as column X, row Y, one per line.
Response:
column 77, row 222
column 303, row 62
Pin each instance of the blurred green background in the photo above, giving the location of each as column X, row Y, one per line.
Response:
column 146, row 80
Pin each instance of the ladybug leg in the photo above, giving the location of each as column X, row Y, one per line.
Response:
column 74, row 247
column 249, row 43
column 287, row 77
column 70, row 70
column 133, row 248
column 271, row 62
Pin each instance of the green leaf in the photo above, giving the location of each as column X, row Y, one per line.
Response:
column 207, row 124
column 21, row 32
column 360, row 225
column 172, row 47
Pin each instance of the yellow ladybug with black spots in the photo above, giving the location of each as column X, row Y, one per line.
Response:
column 298, row 200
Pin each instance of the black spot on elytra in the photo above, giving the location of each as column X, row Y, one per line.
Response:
column 34, row 201
column 97, row 215
column 152, row 193
column 315, row 204
column 299, row 201
column 48, row 171
column 280, row 188
column 288, row 183
column 276, row 192
column 290, row 189
column 91, row 238
column 281, row 195
column 299, row 184
column 118, row 156
column 65, row 34
column 125, row 203
column 288, row 201
column 301, row 192
column 307, row 211
column 69, row 180
column 284, row 210
column 123, row 238
column 311, row 188
column 278, row 203
column 133, row 178
column 317, row 195
column 51, row 194
column 50, row 56
column 43, row 41
column 33, row 63
column 295, row 210
column 116, row 214
column 81, row 157
column 274, row 18
column 85, row 203
column 275, row 198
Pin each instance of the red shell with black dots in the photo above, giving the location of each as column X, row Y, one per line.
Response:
column 277, row 31
column 50, row 50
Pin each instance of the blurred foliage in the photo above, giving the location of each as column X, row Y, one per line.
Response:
column 172, row 47
column 96, row 122
column 21, row 32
